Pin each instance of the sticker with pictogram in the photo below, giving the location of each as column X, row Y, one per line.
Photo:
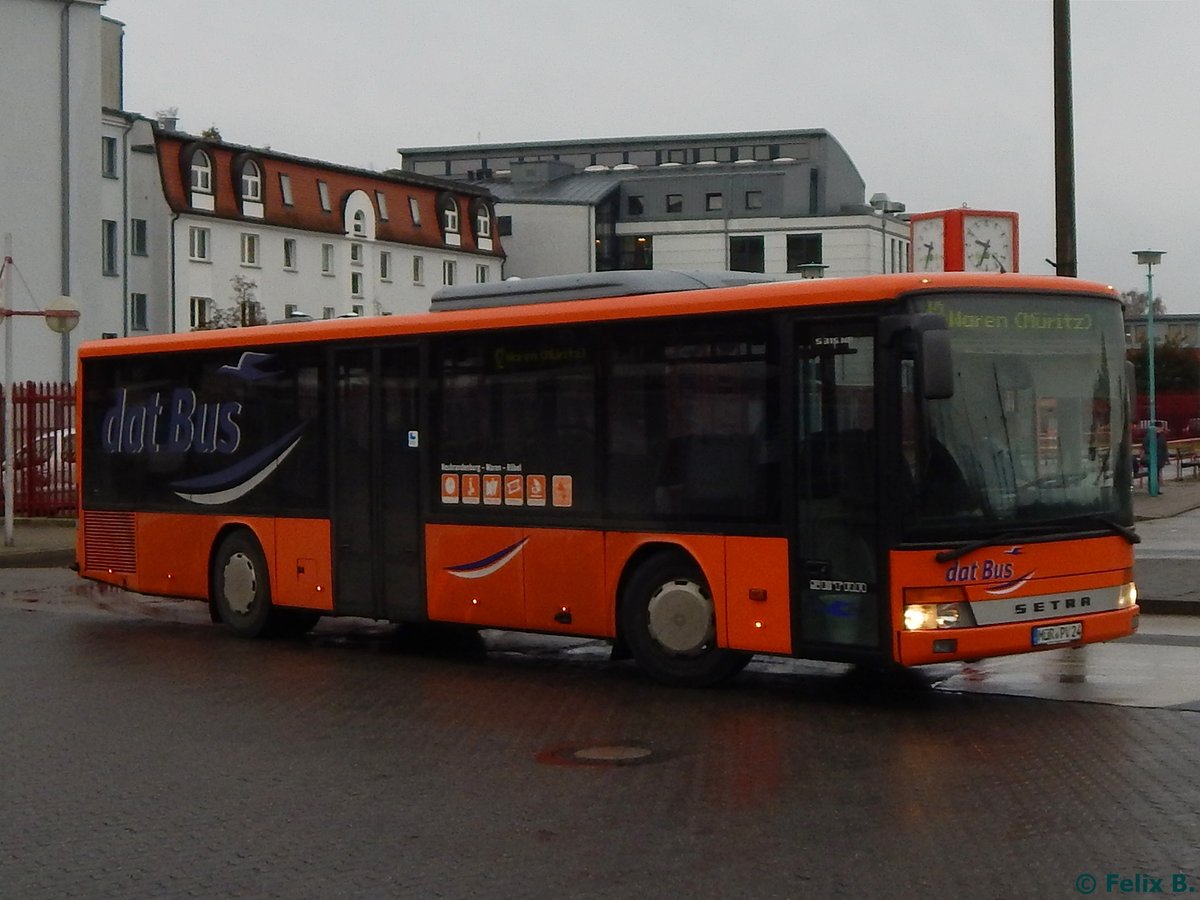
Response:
column 535, row 490
column 470, row 489
column 449, row 488
column 491, row 490
column 563, row 490
column 514, row 490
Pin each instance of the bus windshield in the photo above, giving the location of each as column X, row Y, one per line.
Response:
column 1036, row 432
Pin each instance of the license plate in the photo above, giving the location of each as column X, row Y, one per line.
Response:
column 1057, row 634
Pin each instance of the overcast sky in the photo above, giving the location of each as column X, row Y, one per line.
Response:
column 940, row 103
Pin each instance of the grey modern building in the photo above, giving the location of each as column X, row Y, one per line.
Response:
column 781, row 202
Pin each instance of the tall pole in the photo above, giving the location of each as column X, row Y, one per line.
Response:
column 1152, row 430
column 9, row 462
column 1064, row 145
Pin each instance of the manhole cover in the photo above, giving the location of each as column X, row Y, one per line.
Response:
column 623, row 754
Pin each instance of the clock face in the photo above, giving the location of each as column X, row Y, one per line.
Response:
column 929, row 244
column 987, row 244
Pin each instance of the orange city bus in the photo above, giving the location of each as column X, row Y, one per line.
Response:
column 889, row 470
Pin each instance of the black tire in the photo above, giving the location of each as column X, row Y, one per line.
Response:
column 241, row 586
column 669, row 624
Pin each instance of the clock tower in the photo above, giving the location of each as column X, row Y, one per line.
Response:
column 964, row 240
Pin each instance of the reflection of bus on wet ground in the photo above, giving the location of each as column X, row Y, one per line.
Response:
column 698, row 468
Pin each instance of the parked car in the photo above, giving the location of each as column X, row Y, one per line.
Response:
column 44, row 474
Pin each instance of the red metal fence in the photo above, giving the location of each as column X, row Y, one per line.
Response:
column 43, row 449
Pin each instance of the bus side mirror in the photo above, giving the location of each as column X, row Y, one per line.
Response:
column 935, row 368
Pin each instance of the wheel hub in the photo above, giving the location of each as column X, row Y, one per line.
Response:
column 239, row 583
column 681, row 618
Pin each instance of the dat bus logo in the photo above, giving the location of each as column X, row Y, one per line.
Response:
column 179, row 425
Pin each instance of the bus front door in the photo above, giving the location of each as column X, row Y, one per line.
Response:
column 837, row 597
column 376, row 509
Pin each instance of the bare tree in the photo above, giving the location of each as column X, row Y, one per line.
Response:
column 1135, row 304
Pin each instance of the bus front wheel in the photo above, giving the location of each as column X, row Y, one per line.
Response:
column 669, row 624
column 241, row 586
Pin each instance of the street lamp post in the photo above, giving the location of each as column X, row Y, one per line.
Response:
column 1149, row 259
column 60, row 316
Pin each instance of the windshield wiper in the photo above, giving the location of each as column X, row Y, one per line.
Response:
column 1116, row 527
column 959, row 552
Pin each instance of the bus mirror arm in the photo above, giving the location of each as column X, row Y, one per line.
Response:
column 929, row 337
column 935, row 369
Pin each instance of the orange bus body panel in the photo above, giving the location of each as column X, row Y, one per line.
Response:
column 757, row 605
column 173, row 551
column 302, row 574
column 1010, row 572
column 467, row 582
column 564, row 574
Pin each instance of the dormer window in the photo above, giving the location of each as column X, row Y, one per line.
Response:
column 481, row 220
column 448, row 208
column 201, row 172
column 248, row 185
column 252, row 182
column 201, row 180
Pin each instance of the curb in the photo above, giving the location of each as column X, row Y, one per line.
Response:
column 37, row 559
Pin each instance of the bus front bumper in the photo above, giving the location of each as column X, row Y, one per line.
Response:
column 919, row 648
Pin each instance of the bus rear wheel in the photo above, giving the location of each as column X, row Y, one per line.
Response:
column 241, row 587
column 669, row 624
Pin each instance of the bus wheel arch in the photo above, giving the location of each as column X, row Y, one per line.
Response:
column 666, row 619
column 240, row 582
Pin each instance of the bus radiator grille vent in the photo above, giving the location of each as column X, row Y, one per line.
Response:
column 108, row 542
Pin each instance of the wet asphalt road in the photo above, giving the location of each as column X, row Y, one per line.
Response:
column 146, row 753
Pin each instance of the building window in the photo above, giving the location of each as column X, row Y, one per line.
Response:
column 414, row 210
column 483, row 274
column 483, row 222
column 449, row 271
column 327, row 312
column 636, row 252
column 108, row 246
column 252, row 182
column 418, row 270
column 449, row 211
column 108, row 157
column 289, row 254
column 137, row 237
column 323, row 190
column 746, row 254
column 753, row 199
column 357, row 309
column 713, row 202
column 674, row 203
column 385, row 265
column 504, row 225
column 285, row 188
column 137, row 312
column 198, row 243
column 252, row 313
column 327, row 259
column 356, row 284
column 201, row 311
column 803, row 250
column 201, row 173
column 249, row 249
column 381, row 203
column 358, row 224
column 635, row 204
column 356, row 254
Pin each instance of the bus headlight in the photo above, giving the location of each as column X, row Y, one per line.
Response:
column 926, row 616
column 1128, row 596
column 927, row 609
